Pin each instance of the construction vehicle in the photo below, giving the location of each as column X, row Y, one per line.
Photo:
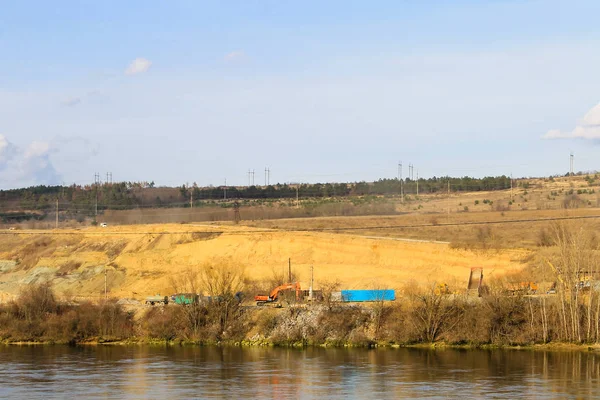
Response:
column 525, row 288
column 584, row 283
column 275, row 293
column 441, row 289
column 157, row 299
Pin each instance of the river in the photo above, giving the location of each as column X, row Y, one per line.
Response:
column 140, row 372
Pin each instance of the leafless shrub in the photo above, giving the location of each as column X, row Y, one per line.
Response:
column 164, row 323
column 572, row 201
column 328, row 288
column 35, row 301
column 432, row 314
column 500, row 205
column 544, row 238
column 212, row 317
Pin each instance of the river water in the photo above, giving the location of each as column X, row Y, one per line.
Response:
column 138, row 372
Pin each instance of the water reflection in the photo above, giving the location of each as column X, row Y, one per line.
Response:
column 211, row 372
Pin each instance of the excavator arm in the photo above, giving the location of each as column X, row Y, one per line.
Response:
column 274, row 295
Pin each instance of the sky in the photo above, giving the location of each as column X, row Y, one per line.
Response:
column 203, row 91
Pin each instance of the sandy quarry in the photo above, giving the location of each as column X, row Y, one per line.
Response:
column 139, row 260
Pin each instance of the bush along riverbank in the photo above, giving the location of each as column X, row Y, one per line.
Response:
column 419, row 318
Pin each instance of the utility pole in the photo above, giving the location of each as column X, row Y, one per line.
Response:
column 289, row 270
column 297, row 202
column 96, row 183
column 401, row 181
column 236, row 212
column 312, row 283
column 192, row 198
column 417, row 182
column 448, row 198
column 57, row 213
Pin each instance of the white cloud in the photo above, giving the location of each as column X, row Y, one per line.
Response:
column 235, row 56
column 587, row 128
column 6, row 151
column 72, row 102
column 37, row 149
column 32, row 166
column 138, row 66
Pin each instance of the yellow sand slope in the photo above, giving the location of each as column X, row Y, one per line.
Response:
column 139, row 260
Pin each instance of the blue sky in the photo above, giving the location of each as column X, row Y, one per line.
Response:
column 199, row 91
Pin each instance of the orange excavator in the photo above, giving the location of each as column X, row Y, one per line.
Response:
column 274, row 295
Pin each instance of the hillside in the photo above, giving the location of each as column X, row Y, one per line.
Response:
column 426, row 239
column 140, row 260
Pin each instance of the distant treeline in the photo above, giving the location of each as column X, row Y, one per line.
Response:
column 80, row 201
column 380, row 187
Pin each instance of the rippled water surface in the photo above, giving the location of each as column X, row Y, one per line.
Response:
column 132, row 372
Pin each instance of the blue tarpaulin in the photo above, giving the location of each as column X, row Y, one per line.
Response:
column 369, row 295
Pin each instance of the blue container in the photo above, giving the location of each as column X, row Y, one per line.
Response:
column 368, row 295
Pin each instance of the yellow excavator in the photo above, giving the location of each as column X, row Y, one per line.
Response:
column 584, row 282
column 274, row 295
column 441, row 289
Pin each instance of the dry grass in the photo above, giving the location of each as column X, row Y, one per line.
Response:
column 442, row 227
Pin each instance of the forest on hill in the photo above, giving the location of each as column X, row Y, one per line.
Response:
column 79, row 201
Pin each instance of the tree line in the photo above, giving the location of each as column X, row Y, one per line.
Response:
column 85, row 200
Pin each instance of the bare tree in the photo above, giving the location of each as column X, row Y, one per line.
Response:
column 223, row 282
column 195, row 313
column 575, row 265
column 328, row 288
column 432, row 313
column 218, row 285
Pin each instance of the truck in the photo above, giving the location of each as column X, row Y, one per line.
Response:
column 157, row 299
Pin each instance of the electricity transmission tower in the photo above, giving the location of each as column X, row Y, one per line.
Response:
column 96, row 184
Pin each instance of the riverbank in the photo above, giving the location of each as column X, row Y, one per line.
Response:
column 420, row 319
column 439, row 346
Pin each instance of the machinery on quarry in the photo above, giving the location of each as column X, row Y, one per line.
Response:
column 441, row 289
column 524, row 288
column 275, row 293
column 157, row 299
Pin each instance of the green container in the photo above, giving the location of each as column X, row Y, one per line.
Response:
column 184, row 298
